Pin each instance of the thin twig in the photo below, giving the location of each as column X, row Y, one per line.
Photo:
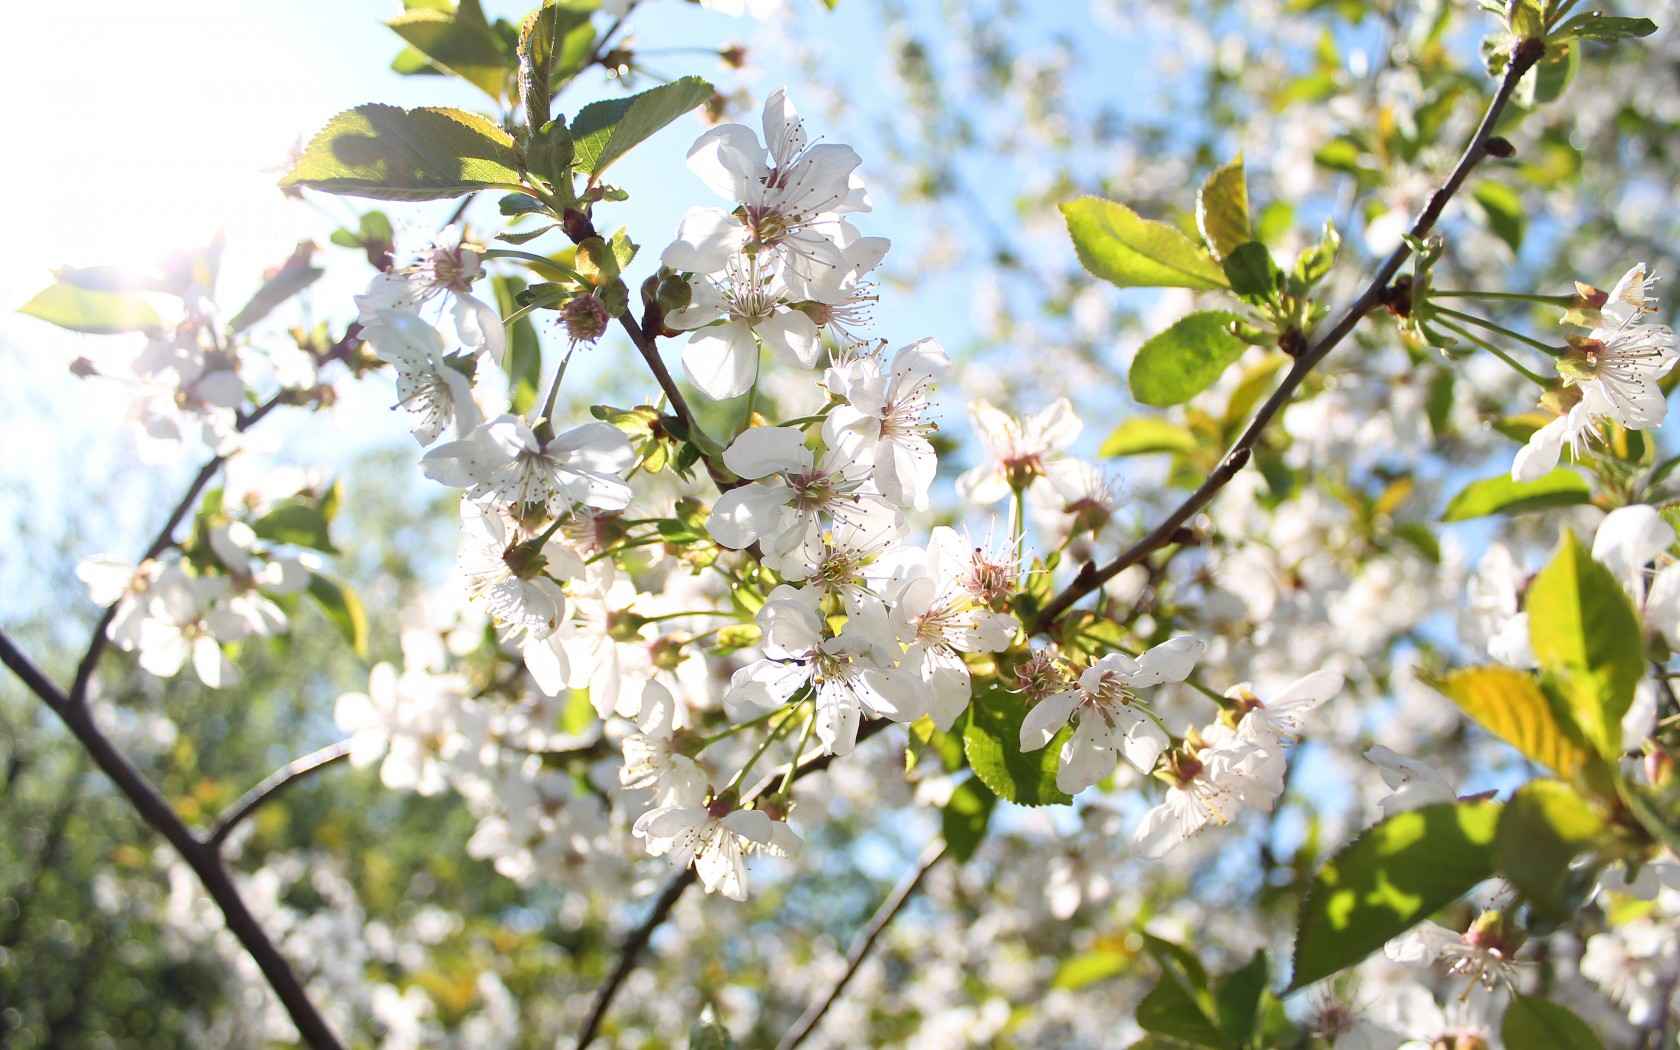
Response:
column 1091, row 577
column 204, row 861
column 273, row 784
column 638, row 938
column 883, row 917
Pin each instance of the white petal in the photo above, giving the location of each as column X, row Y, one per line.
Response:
column 1046, row 718
column 722, row 360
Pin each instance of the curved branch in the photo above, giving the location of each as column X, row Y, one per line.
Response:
column 274, row 784
column 638, row 938
column 1090, row 577
column 883, row 917
column 200, row 856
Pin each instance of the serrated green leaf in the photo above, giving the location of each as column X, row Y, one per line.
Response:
column 1500, row 495
column 1390, row 878
column 390, row 153
column 97, row 313
column 1088, row 968
column 1238, row 999
column 1539, row 1024
column 524, row 355
column 1511, row 705
column 290, row 278
column 1181, row 362
column 1596, row 26
column 1251, row 272
column 1142, row 435
column 1129, row 251
column 298, row 521
column 1180, row 1006
column 992, row 742
column 1222, row 209
column 1502, row 207
column 457, row 43
column 1544, row 827
column 605, row 131
column 343, row 608
column 963, row 820
column 1586, row 637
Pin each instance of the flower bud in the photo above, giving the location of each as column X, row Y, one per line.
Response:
column 673, row 293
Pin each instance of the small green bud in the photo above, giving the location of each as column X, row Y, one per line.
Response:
column 673, row 293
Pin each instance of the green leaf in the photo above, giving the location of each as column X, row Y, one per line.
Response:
column 992, row 741
column 1251, row 271
column 1142, row 435
column 606, row 131
column 1222, row 209
column 298, row 521
column 1314, row 262
column 1510, row 705
column 1586, row 637
column 1389, row 879
column 1500, row 495
column 1089, row 968
column 963, row 820
column 343, row 608
column 458, row 43
column 1186, row 359
column 392, row 153
column 1545, row 826
column 1129, row 251
column 1238, row 1000
column 524, row 356
column 1502, row 207
column 97, row 313
column 1605, row 27
column 292, row 277
column 1538, row 1024
column 1180, row 1005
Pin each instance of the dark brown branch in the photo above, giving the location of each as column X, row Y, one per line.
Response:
column 272, row 785
column 203, row 859
column 638, row 938
column 883, row 917
column 1091, row 577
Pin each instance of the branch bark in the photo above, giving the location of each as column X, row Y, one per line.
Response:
column 1091, row 577
column 274, row 784
column 200, row 856
column 638, row 938
column 883, row 917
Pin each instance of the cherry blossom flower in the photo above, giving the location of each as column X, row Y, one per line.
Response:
column 892, row 409
column 652, row 758
column 716, row 840
column 847, row 678
column 179, row 626
column 791, row 195
column 430, row 389
column 409, row 721
column 940, row 620
column 729, row 315
column 1484, row 952
column 1273, row 723
column 1411, row 783
column 1495, row 616
column 1210, row 785
column 1105, row 708
column 517, row 582
column 443, row 272
column 504, row 461
column 1018, row 452
column 793, row 494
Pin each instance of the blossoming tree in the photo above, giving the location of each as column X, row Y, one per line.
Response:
column 729, row 628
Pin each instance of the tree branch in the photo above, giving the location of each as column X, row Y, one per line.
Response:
column 883, row 917
column 272, row 785
column 1090, row 577
column 638, row 938
column 200, row 856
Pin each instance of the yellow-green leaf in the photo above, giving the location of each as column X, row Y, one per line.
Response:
column 1390, row 878
column 1145, row 434
column 94, row 312
column 1539, row 1024
column 992, row 742
column 1545, row 826
column 391, row 153
column 1120, row 246
column 1586, row 637
column 1510, row 704
column 457, row 43
column 1222, row 209
column 1186, row 359
column 1500, row 495
column 605, row 131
